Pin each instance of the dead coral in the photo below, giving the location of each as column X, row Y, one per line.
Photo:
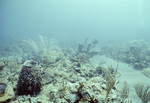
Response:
column 84, row 94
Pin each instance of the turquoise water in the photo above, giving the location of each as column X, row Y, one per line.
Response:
column 72, row 42
column 75, row 19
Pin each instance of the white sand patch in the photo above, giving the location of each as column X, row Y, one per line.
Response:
column 129, row 74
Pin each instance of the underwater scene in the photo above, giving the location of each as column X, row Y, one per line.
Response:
column 74, row 51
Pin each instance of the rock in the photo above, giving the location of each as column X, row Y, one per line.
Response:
column 146, row 72
column 48, row 76
column 6, row 92
column 104, row 86
column 70, row 97
column 2, row 65
column 30, row 63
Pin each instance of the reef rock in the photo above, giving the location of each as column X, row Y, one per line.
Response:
column 1, row 65
column 6, row 92
column 146, row 72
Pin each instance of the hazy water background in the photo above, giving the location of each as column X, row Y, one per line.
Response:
column 106, row 20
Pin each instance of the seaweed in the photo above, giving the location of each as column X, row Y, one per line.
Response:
column 128, row 101
column 38, row 47
column 110, row 79
column 124, row 92
column 142, row 92
column 86, row 48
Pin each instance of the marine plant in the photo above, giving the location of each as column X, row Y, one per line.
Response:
column 110, row 78
column 42, row 43
column 142, row 92
column 124, row 92
column 136, row 53
column 86, row 48
column 38, row 47
column 128, row 101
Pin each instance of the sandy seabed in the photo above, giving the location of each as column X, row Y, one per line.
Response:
column 128, row 74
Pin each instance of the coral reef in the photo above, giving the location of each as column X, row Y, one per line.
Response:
column 135, row 53
column 45, row 73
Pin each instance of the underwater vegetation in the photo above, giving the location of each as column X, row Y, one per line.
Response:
column 37, row 47
column 42, row 72
column 124, row 92
column 110, row 78
column 136, row 53
column 86, row 48
column 142, row 92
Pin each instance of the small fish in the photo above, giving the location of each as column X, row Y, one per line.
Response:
column 38, row 60
column 29, row 58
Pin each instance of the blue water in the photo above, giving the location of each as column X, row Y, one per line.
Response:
column 108, row 20
column 29, row 30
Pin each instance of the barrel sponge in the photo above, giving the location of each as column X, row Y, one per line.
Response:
column 29, row 82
